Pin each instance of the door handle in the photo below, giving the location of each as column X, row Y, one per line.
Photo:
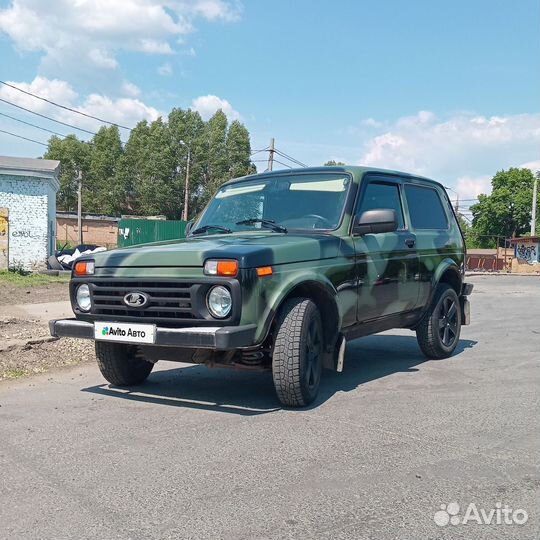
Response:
column 410, row 242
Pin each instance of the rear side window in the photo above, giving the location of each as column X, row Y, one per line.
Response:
column 425, row 208
column 382, row 196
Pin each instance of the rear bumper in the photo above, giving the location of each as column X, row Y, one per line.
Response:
column 223, row 338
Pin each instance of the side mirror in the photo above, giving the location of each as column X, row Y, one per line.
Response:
column 189, row 226
column 380, row 220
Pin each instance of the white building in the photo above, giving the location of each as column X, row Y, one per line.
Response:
column 28, row 190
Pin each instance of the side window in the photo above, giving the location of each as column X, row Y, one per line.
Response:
column 425, row 208
column 382, row 195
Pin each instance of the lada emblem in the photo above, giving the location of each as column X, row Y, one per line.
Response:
column 135, row 299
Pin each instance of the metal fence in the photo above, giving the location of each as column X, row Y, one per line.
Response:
column 132, row 232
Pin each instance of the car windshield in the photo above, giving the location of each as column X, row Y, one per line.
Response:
column 303, row 201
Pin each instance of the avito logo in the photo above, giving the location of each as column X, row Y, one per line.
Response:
column 110, row 331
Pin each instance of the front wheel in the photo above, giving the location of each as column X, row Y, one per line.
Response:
column 438, row 332
column 121, row 364
column 298, row 353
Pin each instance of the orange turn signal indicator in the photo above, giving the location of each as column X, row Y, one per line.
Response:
column 264, row 271
column 84, row 268
column 226, row 268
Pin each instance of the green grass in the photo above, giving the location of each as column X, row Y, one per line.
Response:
column 30, row 280
column 14, row 373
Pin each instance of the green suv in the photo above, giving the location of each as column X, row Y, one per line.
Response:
column 280, row 270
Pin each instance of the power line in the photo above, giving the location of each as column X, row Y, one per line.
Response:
column 64, row 106
column 286, row 156
column 21, row 137
column 266, row 161
column 48, row 117
column 281, row 163
column 32, row 125
column 282, row 154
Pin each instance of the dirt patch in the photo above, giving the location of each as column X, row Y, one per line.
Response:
column 26, row 348
column 52, row 292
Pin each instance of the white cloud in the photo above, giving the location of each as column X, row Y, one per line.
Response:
column 208, row 105
column 61, row 29
column 155, row 46
column 53, row 89
column 165, row 70
column 102, row 59
column 371, row 122
column 469, row 187
column 461, row 150
column 533, row 165
column 217, row 9
column 124, row 111
column 130, row 89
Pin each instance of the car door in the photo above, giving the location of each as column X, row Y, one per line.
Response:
column 387, row 263
column 433, row 224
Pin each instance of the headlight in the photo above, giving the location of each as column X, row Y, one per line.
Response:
column 83, row 297
column 219, row 302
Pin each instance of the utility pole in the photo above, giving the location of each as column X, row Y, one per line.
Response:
column 271, row 154
column 533, row 212
column 79, row 205
column 457, row 203
column 186, row 191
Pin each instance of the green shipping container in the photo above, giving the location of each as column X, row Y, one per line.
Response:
column 132, row 232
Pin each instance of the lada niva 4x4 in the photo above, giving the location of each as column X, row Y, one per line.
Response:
column 278, row 272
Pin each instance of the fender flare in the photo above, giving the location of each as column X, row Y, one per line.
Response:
column 310, row 279
column 446, row 265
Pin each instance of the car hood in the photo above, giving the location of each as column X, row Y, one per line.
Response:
column 251, row 250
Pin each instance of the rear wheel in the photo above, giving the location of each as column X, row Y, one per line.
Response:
column 438, row 332
column 121, row 364
column 298, row 353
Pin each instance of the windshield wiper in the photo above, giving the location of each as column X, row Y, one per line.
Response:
column 270, row 223
column 206, row 228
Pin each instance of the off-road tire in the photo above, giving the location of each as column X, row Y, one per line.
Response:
column 297, row 372
column 122, row 364
column 428, row 332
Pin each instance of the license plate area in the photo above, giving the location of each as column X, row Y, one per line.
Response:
column 125, row 332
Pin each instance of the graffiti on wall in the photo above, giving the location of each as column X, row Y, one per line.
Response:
column 4, row 242
column 528, row 252
column 22, row 234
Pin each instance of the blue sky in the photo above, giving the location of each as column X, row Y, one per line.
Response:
column 446, row 89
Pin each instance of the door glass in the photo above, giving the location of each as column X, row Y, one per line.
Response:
column 425, row 208
column 380, row 195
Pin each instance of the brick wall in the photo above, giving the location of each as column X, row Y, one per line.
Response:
column 31, row 213
column 101, row 232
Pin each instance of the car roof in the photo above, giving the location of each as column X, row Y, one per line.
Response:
column 357, row 171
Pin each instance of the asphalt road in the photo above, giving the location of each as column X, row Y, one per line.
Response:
column 198, row 453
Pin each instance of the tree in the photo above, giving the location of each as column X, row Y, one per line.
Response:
column 506, row 213
column 147, row 175
column 187, row 129
column 74, row 155
column 157, row 192
column 333, row 163
column 471, row 240
column 101, row 193
column 238, row 150
column 217, row 165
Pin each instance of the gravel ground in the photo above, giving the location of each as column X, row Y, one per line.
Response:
column 26, row 348
column 53, row 292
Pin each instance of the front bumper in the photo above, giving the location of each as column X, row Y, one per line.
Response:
column 224, row 338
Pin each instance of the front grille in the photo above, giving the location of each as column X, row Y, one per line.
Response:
column 167, row 301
